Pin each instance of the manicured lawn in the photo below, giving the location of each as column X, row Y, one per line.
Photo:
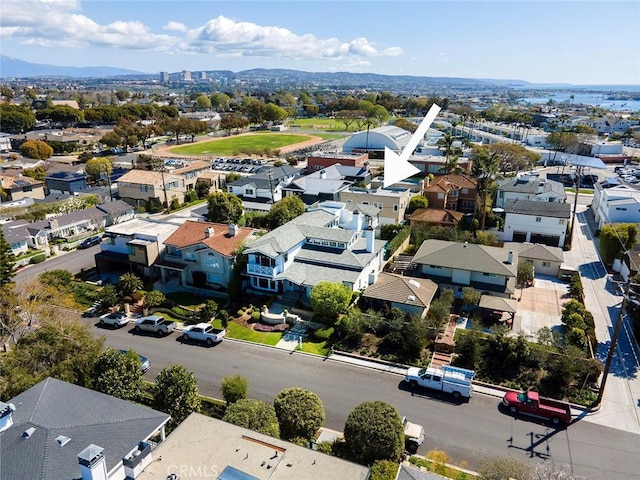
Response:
column 233, row 145
column 235, row 330
column 84, row 293
column 317, row 348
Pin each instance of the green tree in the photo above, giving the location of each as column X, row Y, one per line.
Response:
column 176, row 393
column 7, row 262
column 615, row 239
column 470, row 297
column 512, row 157
column 203, row 102
column 484, row 170
column 97, row 166
column 469, row 350
column 36, row 149
column 373, row 431
column 285, row 210
column 255, row 415
column 59, row 279
column 64, row 349
column 234, row 388
column 128, row 283
column 16, row 119
column 202, row 188
column 274, row 113
column 384, row 470
column 118, row 374
column 300, row 413
column 416, row 202
column 525, row 272
column 220, row 101
column 223, row 207
column 328, row 299
column 107, row 296
column 154, row 298
column 207, row 311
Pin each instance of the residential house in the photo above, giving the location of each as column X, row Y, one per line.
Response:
column 437, row 164
column 546, row 260
column 455, row 265
column 215, row 180
column 19, row 237
column 118, row 211
column 137, row 187
column 191, row 171
column 411, row 295
column 133, row 246
column 325, row 184
column 66, row 181
column 201, row 254
column 616, row 204
column 435, row 217
column 220, row 450
column 59, row 431
column 392, row 202
column 630, row 265
column 320, row 245
column 318, row 161
column 72, row 225
column 536, row 222
column 17, row 187
column 527, row 188
column 452, row 192
column 261, row 190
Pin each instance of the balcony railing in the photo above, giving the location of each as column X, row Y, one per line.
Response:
column 256, row 269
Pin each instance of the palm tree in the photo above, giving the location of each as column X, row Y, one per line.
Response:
column 484, row 170
column 447, row 142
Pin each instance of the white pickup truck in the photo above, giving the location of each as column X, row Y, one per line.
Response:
column 445, row 378
column 203, row 332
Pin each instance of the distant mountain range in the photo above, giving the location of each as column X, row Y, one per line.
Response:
column 11, row 67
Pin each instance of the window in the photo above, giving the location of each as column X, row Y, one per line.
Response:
column 395, row 208
column 538, row 219
column 546, row 264
column 441, row 196
column 365, row 203
column 377, row 204
column 465, row 191
column 436, row 267
column 561, row 221
column 621, row 209
column 490, row 275
column 248, row 191
column 144, row 188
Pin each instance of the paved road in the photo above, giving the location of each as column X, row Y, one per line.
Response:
column 74, row 261
column 467, row 432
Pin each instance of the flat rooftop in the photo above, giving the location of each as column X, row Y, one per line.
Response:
column 140, row 225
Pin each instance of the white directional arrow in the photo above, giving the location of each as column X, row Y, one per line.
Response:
column 397, row 167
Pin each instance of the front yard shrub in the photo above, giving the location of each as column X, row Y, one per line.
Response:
column 323, row 333
column 240, row 313
column 263, row 327
column 138, row 295
column 37, row 259
column 255, row 316
column 394, row 244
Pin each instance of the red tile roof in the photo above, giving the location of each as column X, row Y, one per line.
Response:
column 192, row 233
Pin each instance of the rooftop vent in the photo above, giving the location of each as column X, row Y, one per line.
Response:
column 414, row 283
column 28, row 432
column 411, row 298
column 62, row 440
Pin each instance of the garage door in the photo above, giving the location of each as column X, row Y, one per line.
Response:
column 550, row 240
column 520, row 237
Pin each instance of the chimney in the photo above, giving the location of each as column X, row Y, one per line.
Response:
column 93, row 465
column 208, row 232
column 6, row 415
column 323, row 174
column 510, row 257
column 233, row 229
column 368, row 235
column 541, row 187
column 53, row 224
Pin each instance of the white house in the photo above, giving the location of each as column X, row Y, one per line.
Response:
column 619, row 204
column 536, row 222
column 258, row 192
column 528, row 188
column 320, row 245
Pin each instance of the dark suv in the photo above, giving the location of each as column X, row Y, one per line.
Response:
column 90, row 242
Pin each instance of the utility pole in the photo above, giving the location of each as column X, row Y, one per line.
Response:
column 575, row 203
column 164, row 188
column 614, row 342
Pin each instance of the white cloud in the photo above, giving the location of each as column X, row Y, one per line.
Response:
column 59, row 24
column 175, row 26
column 224, row 36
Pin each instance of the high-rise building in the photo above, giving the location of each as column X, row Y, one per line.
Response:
column 164, row 77
column 203, row 75
column 186, row 75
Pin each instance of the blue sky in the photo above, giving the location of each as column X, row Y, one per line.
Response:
column 581, row 42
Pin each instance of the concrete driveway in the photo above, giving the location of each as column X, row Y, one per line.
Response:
column 540, row 306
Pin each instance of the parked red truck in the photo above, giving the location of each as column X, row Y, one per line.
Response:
column 531, row 403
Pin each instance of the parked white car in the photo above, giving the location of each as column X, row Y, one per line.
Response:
column 114, row 320
column 203, row 332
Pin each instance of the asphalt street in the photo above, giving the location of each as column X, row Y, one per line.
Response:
column 467, row 432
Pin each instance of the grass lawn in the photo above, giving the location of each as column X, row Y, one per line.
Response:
column 84, row 294
column 232, row 145
column 235, row 330
column 317, row 348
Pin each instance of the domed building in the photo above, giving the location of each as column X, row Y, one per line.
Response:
column 374, row 141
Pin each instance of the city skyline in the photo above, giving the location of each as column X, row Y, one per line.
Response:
column 575, row 42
